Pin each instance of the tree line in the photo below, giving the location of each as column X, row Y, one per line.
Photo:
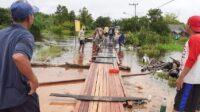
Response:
column 62, row 22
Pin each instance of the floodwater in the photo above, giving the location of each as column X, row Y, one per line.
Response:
column 138, row 86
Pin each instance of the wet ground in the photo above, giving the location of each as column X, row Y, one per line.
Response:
column 140, row 86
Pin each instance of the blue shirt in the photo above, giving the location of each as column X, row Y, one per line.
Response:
column 13, row 84
column 121, row 39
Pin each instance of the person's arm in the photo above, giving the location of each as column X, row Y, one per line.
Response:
column 194, row 51
column 23, row 64
column 179, row 81
column 21, row 56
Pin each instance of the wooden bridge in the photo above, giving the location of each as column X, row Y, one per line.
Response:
column 101, row 81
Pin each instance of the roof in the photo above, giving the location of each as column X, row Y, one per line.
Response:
column 176, row 28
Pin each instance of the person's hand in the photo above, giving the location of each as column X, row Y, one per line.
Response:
column 179, row 83
column 33, row 85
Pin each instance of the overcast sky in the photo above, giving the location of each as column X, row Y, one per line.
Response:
column 115, row 8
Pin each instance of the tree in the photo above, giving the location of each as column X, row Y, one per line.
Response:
column 154, row 15
column 102, row 22
column 61, row 15
column 130, row 24
column 41, row 22
column 171, row 18
column 72, row 16
column 5, row 17
column 116, row 22
column 144, row 22
column 157, row 24
column 85, row 18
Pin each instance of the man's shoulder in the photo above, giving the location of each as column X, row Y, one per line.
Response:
column 4, row 30
column 24, row 34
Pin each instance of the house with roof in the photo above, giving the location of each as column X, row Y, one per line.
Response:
column 178, row 30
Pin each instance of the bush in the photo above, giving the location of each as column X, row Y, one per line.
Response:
column 148, row 37
column 169, row 47
column 165, row 39
column 57, row 30
column 47, row 53
column 36, row 32
column 182, row 40
column 172, row 82
column 132, row 39
column 150, row 50
column 1, row 26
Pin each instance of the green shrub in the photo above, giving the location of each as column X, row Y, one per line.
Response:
column 150, row 50
column 35, row 30
column 56, row 30
column 50, row 52
column 169, row 47
column 182, row 40
column 148, row 37
column 165, row 76
column 172, row 82
column 132, row 39
column 1, row 26
column 165, row 39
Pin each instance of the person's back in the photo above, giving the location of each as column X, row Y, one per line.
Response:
column 18, row 83
column 14, row 83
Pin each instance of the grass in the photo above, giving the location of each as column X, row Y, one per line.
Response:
column 176, row 45
column 165, row 76
column 48, row 53
column 158, row 50
column 170, row 47
column 151, row 52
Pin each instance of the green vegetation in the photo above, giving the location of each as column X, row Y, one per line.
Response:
column 170, row 47
column 165, row 76
column 102, row 22
column 150, row 32
column 60, row 24
column 48, row 53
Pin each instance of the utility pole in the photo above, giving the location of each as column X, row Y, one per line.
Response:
column 134, row 4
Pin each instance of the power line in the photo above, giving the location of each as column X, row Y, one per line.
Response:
column 165, row 4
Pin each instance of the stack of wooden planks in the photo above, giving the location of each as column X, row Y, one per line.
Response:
column 100, row 82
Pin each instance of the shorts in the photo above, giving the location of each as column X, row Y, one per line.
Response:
column 82, row 42
column 31, row 105
column 188, row 98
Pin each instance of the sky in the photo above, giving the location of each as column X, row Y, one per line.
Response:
column 115, row 9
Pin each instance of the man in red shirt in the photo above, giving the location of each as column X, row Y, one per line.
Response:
column 188, row 84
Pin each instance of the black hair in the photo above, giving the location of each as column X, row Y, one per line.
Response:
column 18, row 20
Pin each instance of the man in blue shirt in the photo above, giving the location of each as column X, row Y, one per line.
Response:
column 18, row 83
column 121, row 41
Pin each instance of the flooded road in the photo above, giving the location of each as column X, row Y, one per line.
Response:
column 140, row 86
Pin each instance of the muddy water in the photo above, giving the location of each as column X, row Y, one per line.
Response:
column 140, row 86
column 148, row 86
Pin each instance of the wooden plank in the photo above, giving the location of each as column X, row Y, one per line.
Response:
column 108, row 87
column 119, row 91
column 78, row 104
column 111, row 90
column 104, row 57
column 104, row 90
column 60, row 82
column 129, row 103
column 100, row 105
column 88, row 92
column 93, row 91
column 117, row 59
column 103, row 62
